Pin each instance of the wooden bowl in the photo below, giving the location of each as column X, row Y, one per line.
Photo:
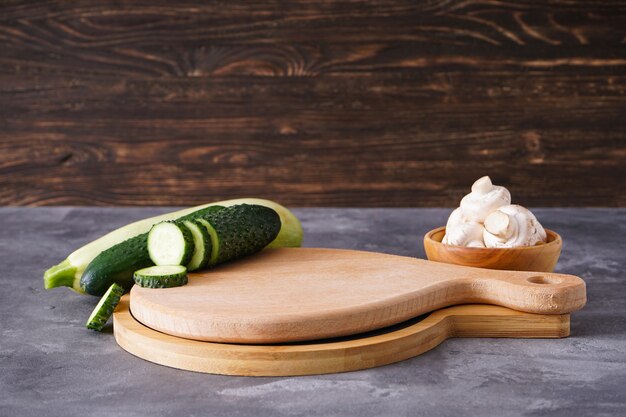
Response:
column 540, row 258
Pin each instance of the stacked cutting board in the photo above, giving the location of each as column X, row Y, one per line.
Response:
column 297, row 311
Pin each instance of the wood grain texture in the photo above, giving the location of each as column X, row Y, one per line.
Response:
column 295, row 294
column 363, row 351
column 351, row 103
column 541, row 258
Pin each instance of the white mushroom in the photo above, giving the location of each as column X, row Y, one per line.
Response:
column 468, row 234
column 456, row 219
column 484, row 199
column 511, row 226
column 486, row 218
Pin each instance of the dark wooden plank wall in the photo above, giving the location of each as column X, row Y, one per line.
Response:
column 311, row 102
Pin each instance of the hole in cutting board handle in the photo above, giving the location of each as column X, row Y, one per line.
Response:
column 540, row 279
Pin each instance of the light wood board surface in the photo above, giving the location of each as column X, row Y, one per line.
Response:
column 362, row 351
column 295, row 294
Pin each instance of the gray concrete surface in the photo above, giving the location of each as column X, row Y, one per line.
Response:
column 50, row 365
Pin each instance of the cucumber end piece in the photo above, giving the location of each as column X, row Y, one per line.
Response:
column 61, row 275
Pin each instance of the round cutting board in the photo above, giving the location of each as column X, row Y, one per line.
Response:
column 295, row 294
column 381, row 347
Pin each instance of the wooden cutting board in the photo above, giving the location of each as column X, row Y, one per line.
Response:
column 295, row 294
column 377, row 348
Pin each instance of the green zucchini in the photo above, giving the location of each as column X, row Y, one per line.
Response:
column 81, row 261
column 117, row 263
column 202, row 245
column 105, row 307
column 239, row 231
column 161, row 276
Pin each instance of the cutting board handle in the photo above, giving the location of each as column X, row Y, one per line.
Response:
column 533, row 292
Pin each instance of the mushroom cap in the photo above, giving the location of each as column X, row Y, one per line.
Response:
column 477, row 206
column 456, row 219
column 523, row 229
column 465, row 234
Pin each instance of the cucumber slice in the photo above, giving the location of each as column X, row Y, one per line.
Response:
column 170, row 243
column 215, row 243
column 162, row 276
column 202, row 245
column 105, row 307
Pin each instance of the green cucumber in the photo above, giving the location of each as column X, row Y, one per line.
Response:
column 199, row 213
column 161, row 276
column 239, row 231
column 95, row 256
column 170, row 243
column 105, row 307
column 117, row 263
column 202, row 245
column 113, row 265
